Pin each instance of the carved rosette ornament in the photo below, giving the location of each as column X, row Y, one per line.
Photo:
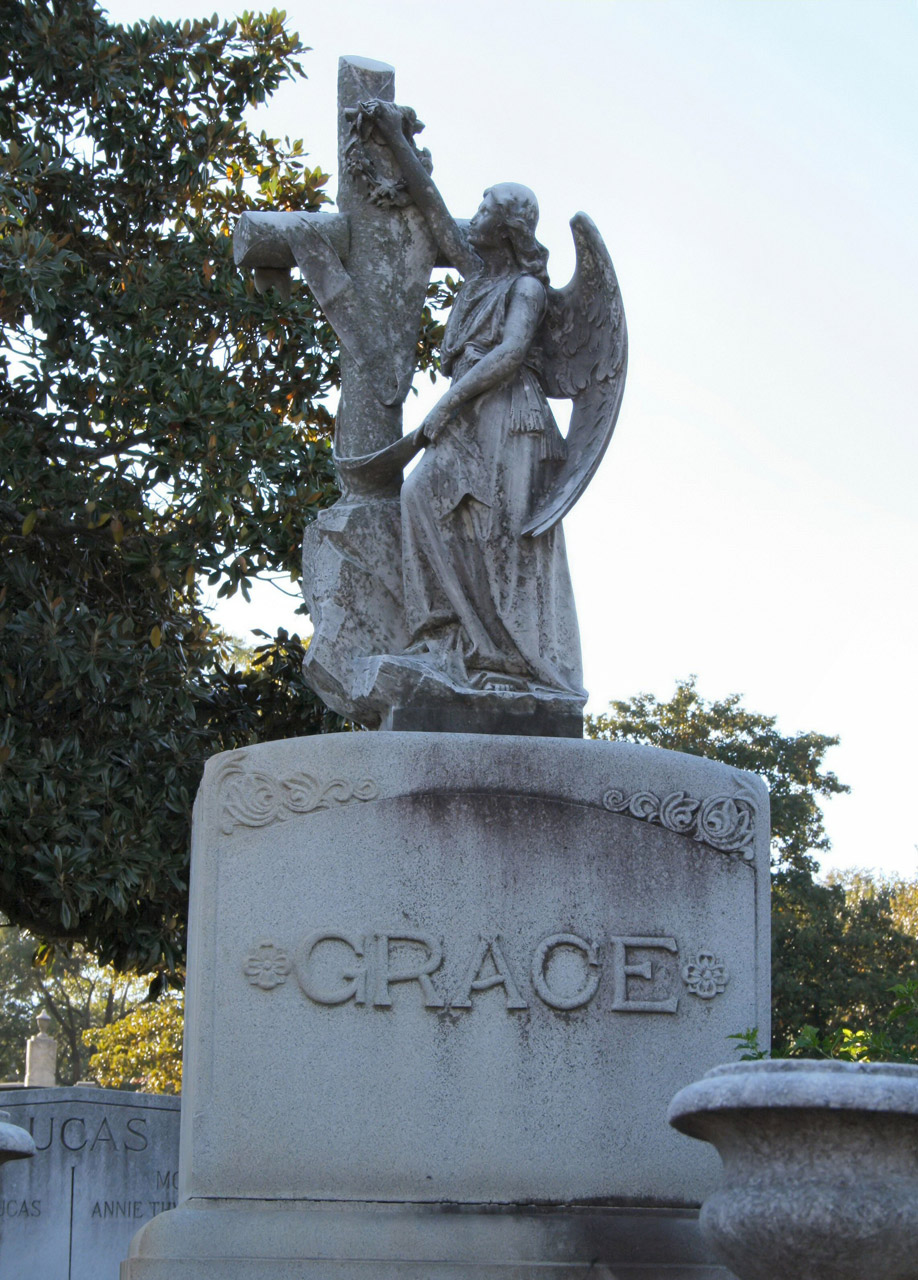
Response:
column 705, row 975
column 725, row 823
column 267, row 966
column 252, row 798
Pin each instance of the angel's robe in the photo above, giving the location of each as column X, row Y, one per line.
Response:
column 482, row 600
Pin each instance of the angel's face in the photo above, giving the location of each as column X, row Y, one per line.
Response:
column 486, row 228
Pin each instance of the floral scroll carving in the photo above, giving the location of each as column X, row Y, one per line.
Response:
column 725, row 823
column 252, row 798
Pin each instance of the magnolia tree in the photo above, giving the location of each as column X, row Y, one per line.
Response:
column 160, row 424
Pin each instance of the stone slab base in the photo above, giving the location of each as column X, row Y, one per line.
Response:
column 238, row 1240
column 413, row 696
column 526, row 717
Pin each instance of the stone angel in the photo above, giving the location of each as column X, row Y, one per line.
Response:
column 487, row 595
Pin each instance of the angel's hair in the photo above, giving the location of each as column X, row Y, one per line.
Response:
column 520, row 210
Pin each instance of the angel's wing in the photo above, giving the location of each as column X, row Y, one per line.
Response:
column 584, row 346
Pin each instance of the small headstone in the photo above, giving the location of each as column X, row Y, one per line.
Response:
column 41, row 1055
column 105, row 1162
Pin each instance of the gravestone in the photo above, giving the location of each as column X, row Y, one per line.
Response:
column 444, row 978
column 439, row 999
column 106, row 1161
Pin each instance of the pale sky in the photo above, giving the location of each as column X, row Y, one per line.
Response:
column 753, row 168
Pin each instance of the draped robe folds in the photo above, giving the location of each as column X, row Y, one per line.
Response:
column 482, row 601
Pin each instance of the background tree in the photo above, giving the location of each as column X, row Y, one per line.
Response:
column 835, row 955
column 142, row 1050
column 158, row 422
column 894, row 895
column 17, row 1012
column 72, row 988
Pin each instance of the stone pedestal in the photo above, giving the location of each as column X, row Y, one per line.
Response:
column 820, row 1178
column 441, row 990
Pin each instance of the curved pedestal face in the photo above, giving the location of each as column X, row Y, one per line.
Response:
column 447, row 971
column 200, row 1241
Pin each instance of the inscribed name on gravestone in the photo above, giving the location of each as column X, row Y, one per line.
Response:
column 499, row 963
column 106, row 1162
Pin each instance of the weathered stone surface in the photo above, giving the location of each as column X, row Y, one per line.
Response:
column 352, row 583
column 820, row 1175
column 446, row 971
column 106, row 1161
column 15, row 1143
column 465, row 711
column 264, row 1240
column 480, row 615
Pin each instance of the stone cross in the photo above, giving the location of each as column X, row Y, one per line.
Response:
column 367, row 265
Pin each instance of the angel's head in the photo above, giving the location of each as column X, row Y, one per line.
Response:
column 508, row 216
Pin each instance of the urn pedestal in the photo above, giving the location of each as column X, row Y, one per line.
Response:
column 820, row 1178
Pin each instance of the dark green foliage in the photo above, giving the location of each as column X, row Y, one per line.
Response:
column 726, row 731
column 158, row 421
column 892, row 1038
column 834, row 956
column 17, row 1011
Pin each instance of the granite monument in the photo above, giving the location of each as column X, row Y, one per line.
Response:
column 105, row 1162
column 443, row 982
column 444, row 602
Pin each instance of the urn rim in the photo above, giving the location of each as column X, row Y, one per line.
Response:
column 794, row 1084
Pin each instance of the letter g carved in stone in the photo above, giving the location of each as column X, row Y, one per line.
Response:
column 351, row 978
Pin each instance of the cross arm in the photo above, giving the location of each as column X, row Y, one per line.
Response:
column 266, row 239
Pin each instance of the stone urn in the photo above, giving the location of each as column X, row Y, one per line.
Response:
column 820, row 1167
column 15, row 1143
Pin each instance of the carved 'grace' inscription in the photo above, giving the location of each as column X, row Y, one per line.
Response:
column 564, row 970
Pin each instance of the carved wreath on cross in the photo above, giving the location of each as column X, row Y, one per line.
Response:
column 386, row 192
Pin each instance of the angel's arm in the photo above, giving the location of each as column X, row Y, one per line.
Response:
column 527, row 306
column 452, row 241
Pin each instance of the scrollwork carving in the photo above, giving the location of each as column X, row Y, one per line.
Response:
column 252, row 798
column 725, row 823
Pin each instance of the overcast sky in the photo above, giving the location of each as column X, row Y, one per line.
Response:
column 753, row 168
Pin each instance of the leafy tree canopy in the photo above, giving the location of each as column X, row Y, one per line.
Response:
column 792, row 765
column 158, row 422
column 835, row 955
column 72, row 988
column 142, row 1050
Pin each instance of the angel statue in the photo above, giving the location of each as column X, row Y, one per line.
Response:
column 474, row 627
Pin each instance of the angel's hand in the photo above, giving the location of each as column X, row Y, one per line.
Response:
column 436, row 422
column 388, row 119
